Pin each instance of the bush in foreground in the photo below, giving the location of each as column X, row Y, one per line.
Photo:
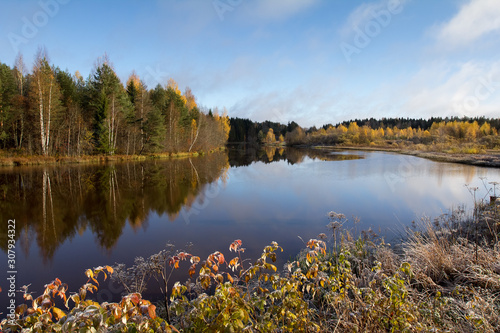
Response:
column 445, row 279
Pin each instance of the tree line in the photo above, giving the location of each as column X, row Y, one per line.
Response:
column 372, row 131
column 49, row 111
column 443, row 132
column 246, row 130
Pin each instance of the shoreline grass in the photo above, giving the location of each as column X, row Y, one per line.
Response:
column 24, row 160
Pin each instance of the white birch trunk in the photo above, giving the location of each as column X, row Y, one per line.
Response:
column 42, row 125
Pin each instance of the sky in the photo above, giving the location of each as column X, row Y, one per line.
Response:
column 310, row 61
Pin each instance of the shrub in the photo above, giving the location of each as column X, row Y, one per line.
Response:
column 444, row 280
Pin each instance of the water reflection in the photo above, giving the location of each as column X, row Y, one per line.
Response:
column 70, row 218
column 52, row 205
column 245, row 155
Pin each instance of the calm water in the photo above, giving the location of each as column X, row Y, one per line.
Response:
column 75, row 217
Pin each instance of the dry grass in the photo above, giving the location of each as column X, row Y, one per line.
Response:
column 463, row 265
column 454, row 284
column 17, row 160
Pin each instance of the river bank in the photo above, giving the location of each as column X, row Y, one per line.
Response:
column 490, row 159
column 24, row 160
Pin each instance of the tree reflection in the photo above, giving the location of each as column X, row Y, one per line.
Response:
column 52, row 205
column 244, row 155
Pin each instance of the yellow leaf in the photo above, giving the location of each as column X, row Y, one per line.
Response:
column 58, row 313
column 89, row 273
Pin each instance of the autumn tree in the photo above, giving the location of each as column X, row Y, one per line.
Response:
column 51, row 111
column 20, row 105
column 296, row 136
column 45, row 94
column 140, row 100
column 270, row 137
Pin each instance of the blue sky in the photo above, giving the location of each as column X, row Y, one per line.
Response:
column 312, row 61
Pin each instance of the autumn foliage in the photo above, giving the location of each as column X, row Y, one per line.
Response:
column 445, row 135
column 52, row 112
column 443, row 279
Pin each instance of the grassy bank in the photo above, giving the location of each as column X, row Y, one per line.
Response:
column 19, row 160
column 444, row 276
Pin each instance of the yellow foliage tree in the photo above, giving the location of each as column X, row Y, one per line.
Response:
column 270, row 138
column 175, row 87
column 485, row 128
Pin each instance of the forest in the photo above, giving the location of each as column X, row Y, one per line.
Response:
column 468, row 135
column 51, row 112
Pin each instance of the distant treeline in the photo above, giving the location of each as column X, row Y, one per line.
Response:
column 424, row 124
column 49, row 111
column 433, row 131
column 246, row 130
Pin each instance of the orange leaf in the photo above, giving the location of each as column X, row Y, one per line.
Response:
column 192, row 270
column 152, row 311
column 221, row 259
column 135, row 298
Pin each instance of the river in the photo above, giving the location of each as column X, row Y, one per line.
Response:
column 73, row 217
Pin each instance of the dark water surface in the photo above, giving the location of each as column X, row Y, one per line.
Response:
column 69, row 218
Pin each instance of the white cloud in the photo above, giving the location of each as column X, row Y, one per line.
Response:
column 367, row 12
column 438, row 89
column 474, row 20
column 308, row 104
column 442, row 89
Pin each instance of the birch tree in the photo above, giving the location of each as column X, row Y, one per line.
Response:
column 19, row 116
column 45, row 94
